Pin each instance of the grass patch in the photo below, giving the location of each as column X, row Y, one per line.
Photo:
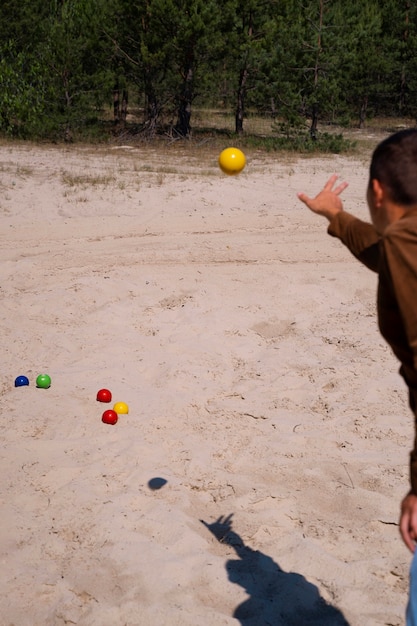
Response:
column 86, row 180
column 216, row 131
column 302, row 144
column 23, row 171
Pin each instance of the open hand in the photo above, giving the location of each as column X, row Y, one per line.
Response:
column 327, row 202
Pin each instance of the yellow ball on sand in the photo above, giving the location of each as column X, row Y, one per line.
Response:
column 232, row 161
column 120, row 408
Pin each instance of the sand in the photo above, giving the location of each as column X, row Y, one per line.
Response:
column 258, row 474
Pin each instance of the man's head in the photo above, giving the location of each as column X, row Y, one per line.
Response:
column 394, row 165
column 392, row 189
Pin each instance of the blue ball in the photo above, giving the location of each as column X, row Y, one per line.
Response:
column 21, row 381
column 156, row 483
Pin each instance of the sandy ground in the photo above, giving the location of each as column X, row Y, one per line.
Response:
column 257, row 477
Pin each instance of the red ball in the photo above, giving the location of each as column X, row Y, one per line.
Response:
column 104, row 395
column 109, row 417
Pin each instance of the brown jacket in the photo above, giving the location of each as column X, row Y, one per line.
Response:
column 394, row 258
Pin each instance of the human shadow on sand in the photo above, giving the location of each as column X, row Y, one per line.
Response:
column 276, row 598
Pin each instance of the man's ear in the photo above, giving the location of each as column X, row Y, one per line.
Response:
column 378, row 192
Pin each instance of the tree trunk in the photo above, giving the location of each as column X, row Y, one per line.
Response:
column 183, row 126
column 403, row 77
column 123, row 112
column 240, row 107
column 314, row 121
column 116, row 105
column 362, row 111
column 243, row 77
column 315, row 107
column 152, row 108
column 151, row 116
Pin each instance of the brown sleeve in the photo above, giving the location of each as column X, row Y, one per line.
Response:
column 400, row 247
column 359, row 237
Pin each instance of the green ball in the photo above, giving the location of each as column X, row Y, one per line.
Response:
column 43, row 381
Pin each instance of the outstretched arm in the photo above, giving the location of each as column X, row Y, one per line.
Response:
column 327, row 202
column 359, row 237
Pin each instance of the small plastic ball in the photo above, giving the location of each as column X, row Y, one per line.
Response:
column 109, row 417
column 21, row 381
column 43, row 381
column 232, row 161
column 104, row 395
column 121, row 407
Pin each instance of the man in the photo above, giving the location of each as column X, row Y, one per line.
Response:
column 388, row 246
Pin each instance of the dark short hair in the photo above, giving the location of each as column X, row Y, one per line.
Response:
column 394, row 165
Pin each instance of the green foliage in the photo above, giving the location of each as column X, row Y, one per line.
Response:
column 298, row 61
column 21, row 92
column 59, row 78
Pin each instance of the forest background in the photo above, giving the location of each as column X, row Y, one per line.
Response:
column 72, row 69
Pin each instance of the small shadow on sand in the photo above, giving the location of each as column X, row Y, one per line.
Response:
column 276, row 598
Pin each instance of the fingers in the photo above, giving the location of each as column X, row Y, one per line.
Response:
column 327, row 187
column 330, row 184
column 224, row 520
column 304, row 198
column 340, row 188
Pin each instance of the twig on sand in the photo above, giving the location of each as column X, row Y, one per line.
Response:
column 350, row 478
